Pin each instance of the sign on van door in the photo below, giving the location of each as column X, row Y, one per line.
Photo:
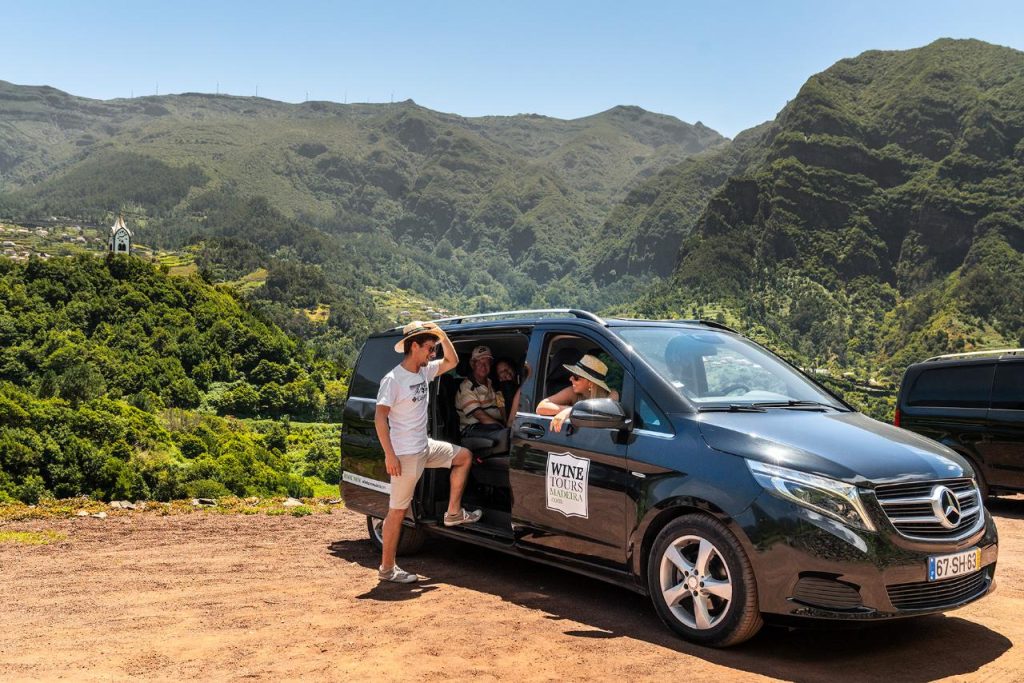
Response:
column 567, row 483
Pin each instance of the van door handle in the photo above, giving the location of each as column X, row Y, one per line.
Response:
column 532, row 431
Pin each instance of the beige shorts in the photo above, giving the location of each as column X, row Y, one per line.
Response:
column 437, row 454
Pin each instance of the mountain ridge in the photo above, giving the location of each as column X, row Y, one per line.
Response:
column 880, row 207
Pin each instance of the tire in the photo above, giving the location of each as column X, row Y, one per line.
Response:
column 725, row 615
column 983, row 487
column 409, row 543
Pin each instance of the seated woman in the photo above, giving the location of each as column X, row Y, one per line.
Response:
column 506, row 382
column 586, row 380
column 511, row 408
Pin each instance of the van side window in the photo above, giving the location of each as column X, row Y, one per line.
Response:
column 1008, row 388
column 649, row 417
column 567, row 349
column 965, row 386
column 376, row 360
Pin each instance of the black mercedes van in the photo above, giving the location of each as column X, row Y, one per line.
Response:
column 723, row 483
column 974, row 403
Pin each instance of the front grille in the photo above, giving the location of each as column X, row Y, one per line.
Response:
column 828, row 593
column 938, row 594
column 910, row 509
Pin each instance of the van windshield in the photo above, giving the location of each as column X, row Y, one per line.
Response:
column 716, row 368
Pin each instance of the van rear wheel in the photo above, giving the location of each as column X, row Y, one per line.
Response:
column 983, row 487
column 409, row 543
column 702, row 584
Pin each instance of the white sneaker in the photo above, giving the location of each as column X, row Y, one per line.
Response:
column 463, row 516
column 396, row 575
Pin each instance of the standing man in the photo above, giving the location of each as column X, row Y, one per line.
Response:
column 401, row 422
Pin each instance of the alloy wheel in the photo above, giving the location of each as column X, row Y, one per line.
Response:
column 695, row 582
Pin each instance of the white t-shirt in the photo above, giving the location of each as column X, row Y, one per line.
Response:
column 406, row 394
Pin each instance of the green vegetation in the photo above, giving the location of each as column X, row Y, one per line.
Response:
column 876, row 222
column 104, row 363
column 86, row 327
column 31, row 537
column 50, row 508
column 483, row 212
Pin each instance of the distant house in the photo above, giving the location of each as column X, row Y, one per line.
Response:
column 120, row 239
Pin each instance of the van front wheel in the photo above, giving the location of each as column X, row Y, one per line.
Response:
column 409, row 543
column 702, row 583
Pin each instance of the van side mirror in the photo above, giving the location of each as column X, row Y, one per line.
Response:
column 599, row 413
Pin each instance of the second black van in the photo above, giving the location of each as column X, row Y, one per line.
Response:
column 974, row 404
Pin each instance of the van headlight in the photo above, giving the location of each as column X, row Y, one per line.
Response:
column 830, row 497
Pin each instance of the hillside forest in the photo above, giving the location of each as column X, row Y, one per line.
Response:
column 876, row 221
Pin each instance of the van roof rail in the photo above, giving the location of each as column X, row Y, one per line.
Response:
column 1001, row 353
column 552, row 312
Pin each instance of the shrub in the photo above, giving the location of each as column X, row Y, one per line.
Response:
column 297, row 487
column 206, row 488
column 31, row 490
column 191, row 446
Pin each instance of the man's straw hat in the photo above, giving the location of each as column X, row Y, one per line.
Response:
column 417, row 327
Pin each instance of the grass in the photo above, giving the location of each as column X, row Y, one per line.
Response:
column 322, row 489
column 178, row 263
column 319, row 314
column 250, row 282
column 31, row 537
column 402, row 305
column 231, row 505
column 183, row 271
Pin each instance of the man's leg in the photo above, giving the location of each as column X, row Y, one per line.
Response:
column 458, row 460
column 403, row 487
column 457, row 479
column 390, row 534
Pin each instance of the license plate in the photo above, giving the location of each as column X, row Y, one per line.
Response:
column 947, row 566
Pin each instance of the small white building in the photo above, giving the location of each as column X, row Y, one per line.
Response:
column 120, row 240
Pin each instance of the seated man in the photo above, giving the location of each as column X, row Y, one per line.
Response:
column 479, row 413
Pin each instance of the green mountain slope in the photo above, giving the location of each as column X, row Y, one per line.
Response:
column 515, row 186
column 882, row 219
column 643, row 234
column 113, row 374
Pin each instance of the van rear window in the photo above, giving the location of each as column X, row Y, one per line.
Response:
column 1008, row 389
column 965, row 386
column 376, row 360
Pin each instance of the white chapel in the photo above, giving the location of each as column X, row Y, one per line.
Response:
column 120, row 240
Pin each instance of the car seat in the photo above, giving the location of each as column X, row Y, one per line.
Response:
column 558, row 377
column 490, row 466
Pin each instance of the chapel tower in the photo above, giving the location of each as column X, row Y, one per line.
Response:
column 120, row 239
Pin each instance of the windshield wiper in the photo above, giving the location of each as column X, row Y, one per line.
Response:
column 792, row 403
column 732, row 408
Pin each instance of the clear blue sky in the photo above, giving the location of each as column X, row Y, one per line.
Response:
column 731, row 65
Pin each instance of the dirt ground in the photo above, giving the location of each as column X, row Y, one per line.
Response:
column 227, row 597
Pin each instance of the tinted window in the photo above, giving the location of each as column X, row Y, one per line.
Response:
column 1008, row 388
column 564, row 349
column 649, row 417
column 710, row 367
column 965, row 386
column 376, row 360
